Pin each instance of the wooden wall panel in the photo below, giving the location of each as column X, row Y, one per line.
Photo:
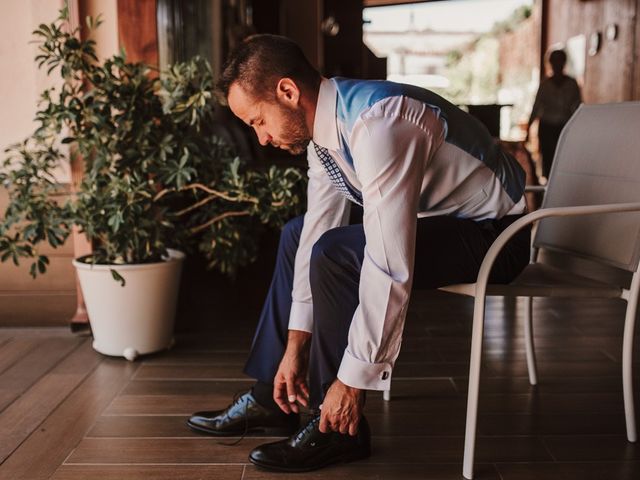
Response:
column 49, row 299
column 300, row 20
column 137, row 29
column 609, row 75
column 636, row 58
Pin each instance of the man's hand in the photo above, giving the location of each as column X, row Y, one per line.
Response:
column 342, row 409
column 290, row 383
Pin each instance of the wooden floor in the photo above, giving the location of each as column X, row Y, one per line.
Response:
column 67, row 413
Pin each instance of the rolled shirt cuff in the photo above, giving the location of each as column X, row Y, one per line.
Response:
column 301, row 317
column 364, row 375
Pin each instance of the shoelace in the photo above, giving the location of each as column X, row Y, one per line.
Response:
column 307, row 428
column 238, row 398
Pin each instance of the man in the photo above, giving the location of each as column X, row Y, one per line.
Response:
column 435, row 190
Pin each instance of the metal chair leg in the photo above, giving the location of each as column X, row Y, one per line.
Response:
column 627, row 357
column 474, row 387
column 528, row 340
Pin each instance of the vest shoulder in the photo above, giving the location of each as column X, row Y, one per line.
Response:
column 357, row 96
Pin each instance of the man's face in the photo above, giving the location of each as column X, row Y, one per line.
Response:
column 278, row 121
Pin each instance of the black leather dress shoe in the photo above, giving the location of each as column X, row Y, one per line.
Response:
column 244, row 416
column 310, row 449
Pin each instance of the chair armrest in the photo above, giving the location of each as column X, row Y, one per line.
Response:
column 535, row 188
column 511, row 230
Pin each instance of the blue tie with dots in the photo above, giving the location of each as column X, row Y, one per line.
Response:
column 336, row 175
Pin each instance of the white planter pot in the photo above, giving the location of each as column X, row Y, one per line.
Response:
column 135, row 319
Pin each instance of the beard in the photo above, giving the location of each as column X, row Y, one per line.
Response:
column 297, row 134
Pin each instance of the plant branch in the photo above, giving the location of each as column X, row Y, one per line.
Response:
column 202, row 202
column 199, row 186
column 206, row 200
column 199, row 228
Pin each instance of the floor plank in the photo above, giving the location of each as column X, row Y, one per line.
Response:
column 13, row 349
column 155, row 397
column 563, row 471
column 189, row 372
column 149, row 472
column 37, row 360
column 40, row 455
column 175, row 425
column 212, row 450
column 203, row 357
column 24, row 415
column 167, row 404
column 200, row 449
column 571, row 448
column 360, row 471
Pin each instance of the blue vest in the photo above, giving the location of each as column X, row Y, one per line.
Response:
column 461, row 129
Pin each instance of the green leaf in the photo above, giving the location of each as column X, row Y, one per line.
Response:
column 42, row 264
column 117, row 277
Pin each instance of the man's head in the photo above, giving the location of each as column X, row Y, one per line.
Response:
column 270, row 85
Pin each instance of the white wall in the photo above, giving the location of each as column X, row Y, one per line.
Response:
column 21, row 82
column 51, row 298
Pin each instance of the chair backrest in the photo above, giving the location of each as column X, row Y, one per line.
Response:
column 597, row 161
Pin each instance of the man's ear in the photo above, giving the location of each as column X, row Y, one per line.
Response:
column 288, row 92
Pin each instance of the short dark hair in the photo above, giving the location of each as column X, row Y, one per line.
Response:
column 260, row 61
column 559, row 56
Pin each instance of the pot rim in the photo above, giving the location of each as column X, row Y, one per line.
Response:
column 174, row 256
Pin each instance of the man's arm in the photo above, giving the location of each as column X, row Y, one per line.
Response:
column 326, row 209
column 290, row 382
column 535, row 109
column 391, row 149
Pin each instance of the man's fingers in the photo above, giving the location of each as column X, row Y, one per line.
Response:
column 353, row 427
column 305, row 390
column 324, row 424
column 303, row 394
column 302, row 399
column 344, row 427
column 336, row 424
column 284, row 406
column 280, row 397
column 291, row 395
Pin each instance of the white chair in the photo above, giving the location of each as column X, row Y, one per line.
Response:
column 591, row 210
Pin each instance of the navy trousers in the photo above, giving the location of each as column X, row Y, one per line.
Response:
column 448, row 250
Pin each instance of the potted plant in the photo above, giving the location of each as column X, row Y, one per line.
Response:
column 155, row 179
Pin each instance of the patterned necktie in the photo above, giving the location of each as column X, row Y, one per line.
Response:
column 336, row 175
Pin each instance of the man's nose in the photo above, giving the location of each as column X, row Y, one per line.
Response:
column 263, row 137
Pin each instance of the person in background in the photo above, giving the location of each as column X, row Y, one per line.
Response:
column 557, row 98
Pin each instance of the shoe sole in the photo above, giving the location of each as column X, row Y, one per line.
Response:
column 342, row 459
column 271, row 432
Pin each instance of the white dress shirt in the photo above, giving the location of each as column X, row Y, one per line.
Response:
column 395, row 151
